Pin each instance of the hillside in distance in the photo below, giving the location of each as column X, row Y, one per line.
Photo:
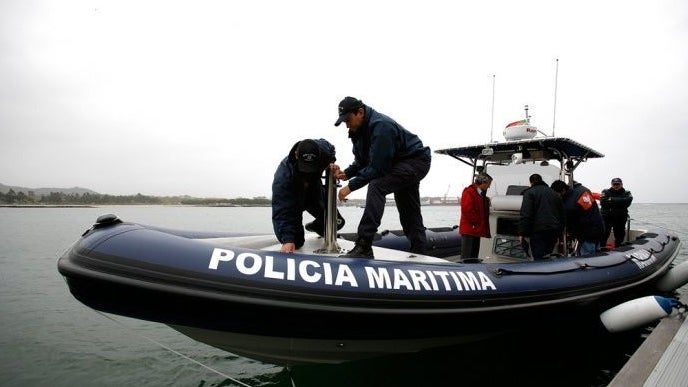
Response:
column 45, row 191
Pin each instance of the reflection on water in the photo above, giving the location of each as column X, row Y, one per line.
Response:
column 551, row 356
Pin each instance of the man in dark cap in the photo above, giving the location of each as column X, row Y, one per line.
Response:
column 615, row 202
column 389, row 159
column 297, row 187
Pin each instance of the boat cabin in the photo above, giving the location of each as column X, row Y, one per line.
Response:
column 510, row 164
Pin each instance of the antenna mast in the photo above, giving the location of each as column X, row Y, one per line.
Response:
column 554, row 115
column 493, row 98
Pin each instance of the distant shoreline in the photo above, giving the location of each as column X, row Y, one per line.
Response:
column 118, row 204
column 207, row 205
column 46, row 206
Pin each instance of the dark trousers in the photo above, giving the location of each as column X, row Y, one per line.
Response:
column 470, row 246
column 542, row 243
column 311, row 201
column 403, row 180
column 618, row 223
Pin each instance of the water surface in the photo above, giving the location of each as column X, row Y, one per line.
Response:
column 49, row 338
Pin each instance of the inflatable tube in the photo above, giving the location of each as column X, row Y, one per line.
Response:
column 676, row 277
column 442, row 242
column 636, row 313
column 238, row 285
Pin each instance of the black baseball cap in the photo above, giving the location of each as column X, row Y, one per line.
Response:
column 308, row 157
column 617, row 180
column 348, row 105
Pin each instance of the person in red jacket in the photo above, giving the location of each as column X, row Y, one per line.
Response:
column 475, row 209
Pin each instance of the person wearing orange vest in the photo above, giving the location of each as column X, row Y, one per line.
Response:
column 583, row 218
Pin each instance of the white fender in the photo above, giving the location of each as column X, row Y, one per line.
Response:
column 636, row 313
column 676, row 277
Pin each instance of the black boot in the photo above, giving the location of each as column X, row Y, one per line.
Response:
column 316, row 226
column 362, row 249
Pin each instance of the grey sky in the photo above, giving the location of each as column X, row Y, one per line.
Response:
column 206, row 97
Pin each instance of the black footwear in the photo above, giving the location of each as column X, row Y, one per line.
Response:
column 363, row 249
column 316, row 227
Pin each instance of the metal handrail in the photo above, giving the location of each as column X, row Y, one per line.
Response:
column 330, row 245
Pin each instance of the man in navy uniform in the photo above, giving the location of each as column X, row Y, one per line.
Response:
column 389, row 159
column 297, row 187
column 615, row 202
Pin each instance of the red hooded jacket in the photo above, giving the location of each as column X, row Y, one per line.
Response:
column 474, row 213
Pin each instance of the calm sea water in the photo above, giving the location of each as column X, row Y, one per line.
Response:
column 48, row 338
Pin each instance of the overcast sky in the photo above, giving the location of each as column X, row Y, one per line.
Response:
column 204, row 98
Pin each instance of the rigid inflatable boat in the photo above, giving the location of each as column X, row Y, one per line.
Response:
column 241, row 294
column 300, row 308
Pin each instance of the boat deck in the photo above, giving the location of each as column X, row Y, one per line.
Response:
column 662, row 359
column 314, row 245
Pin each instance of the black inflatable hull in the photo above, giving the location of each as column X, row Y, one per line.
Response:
column 338, row 309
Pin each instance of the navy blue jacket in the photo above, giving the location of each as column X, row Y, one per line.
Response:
column 293, row 193
column 583, row 224
column 377, row 145
column 615, row 203
column 542, row 209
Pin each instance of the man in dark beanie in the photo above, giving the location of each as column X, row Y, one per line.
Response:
column 297, row 187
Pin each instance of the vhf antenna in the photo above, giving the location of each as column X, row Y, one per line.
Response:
column 554, row 115
column 493, row 98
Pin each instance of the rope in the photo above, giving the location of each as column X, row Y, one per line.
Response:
column 173, row 351
column 291, row 376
